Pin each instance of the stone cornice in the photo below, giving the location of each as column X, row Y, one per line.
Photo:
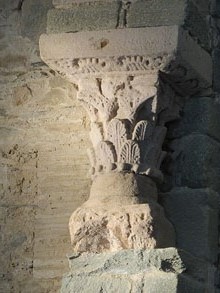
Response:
column 98, row 66
column 137, row 50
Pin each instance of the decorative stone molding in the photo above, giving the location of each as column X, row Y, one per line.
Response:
column 131, row 84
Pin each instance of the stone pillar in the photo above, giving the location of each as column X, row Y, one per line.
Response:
column 127, row 133
column 131, row 81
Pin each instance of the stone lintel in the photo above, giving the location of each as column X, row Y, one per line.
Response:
column 110, row 43
column 140, row 50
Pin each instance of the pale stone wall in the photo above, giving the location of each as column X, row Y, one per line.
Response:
column 44, row 136
column 43, row 165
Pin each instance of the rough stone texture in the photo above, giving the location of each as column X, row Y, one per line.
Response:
column 92, row 16
column 216, row 71
column 197, row 22
column 69, row 3
column 155, row 13
column 199, row 115
column 194, row 214
column 196, row 161
column 148, row 271
column 34, row 17
column 139, row 226
column 43, row 156
column 42, row 162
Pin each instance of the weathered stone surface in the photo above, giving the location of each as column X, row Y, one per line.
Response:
column 194, row 214
column 139, row 226
column 69, row 3
column 36, row 172
column 94, row 16
column 216, row 70
column 139, row 41
column 199, row 115
column 34, row 17
column 63, row 52
column 196, row 21
column 196, row 161
column 43, row 157
column 155, row 13
column 151, row 271
column 128, row 261
column 122, row 188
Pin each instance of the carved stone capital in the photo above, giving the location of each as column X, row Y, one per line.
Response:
column 131, row 82
column 128, row 114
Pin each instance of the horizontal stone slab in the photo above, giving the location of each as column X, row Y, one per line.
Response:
column 113, row 50
column 156, row 270
column 109, row 43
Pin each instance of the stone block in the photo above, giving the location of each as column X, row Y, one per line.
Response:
column 10, row 4
column 196, row 22
column 85, row 17
column 194, row 214
column 216, row 69
column 215, row 7
column 196, row 162
column 34, row 17
column 147, row 271
column 202, row 5
column 155, row 13
column 69, row 3
column 200, row 115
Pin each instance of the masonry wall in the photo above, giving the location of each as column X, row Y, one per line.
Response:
column 44, row 136
column 43, row 165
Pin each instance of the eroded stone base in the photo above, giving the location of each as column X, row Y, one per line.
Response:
column 139, row 226
column 134, row 271
column 121, row 213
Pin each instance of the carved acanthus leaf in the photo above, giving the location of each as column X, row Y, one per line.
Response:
column 117, row 134
column 91, row 93
column 92, row 112
column 105, row 153
column 133, row 95
column 130, row 153
column 142, row 131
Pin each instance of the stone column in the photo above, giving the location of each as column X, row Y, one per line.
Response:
column 131, row 83
column 127, row 133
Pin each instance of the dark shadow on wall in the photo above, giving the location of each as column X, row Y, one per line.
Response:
column 190, row 192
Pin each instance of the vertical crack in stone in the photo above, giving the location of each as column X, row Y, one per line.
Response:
column 122, row 14
column 99, row 84
column 126, row 10
column 20, row 4
column 119, row 19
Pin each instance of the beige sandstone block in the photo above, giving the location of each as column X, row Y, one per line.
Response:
column 140, row 226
